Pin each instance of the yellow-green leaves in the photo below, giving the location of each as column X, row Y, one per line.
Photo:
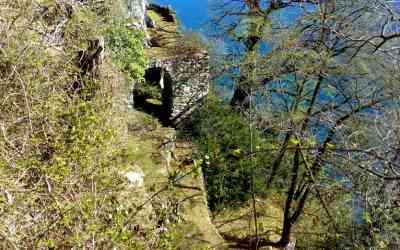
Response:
column 127, row 47
column 294, row 141
column 330, row 146
column 237, row 152
column 58, row 150
column 82, row 26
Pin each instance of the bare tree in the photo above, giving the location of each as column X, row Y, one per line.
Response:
column 324, row 82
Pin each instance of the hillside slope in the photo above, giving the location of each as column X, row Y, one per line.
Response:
column 79, row 167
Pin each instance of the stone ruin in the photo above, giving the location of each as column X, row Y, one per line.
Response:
column 182, row 79
column 183, row 82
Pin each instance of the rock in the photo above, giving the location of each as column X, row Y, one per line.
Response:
column 137, row 10
column 291, row 245
column 135, row 178
column 155, row 42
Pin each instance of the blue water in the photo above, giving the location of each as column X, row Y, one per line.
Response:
column 193, row 14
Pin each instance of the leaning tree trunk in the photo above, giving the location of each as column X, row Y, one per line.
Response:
column 88, row 61
column 241, row 93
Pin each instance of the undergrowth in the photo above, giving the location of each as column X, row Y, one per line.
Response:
column 61, row 157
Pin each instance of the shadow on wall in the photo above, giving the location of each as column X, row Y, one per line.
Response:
column 155, row 95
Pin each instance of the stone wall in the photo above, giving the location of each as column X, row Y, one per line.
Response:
column 190, row 82
column 185, row 78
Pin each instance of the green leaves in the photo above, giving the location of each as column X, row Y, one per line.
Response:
column 367, row 218
column 59, row 156
column 127, row 49
column 83, row 25
column 225, row 140
column 294, row 141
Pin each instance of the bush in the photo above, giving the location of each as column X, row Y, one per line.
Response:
column 224, row 139
column 60, row 155
column 127, row 49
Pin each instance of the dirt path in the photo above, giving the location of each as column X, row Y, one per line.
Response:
column 194, row 200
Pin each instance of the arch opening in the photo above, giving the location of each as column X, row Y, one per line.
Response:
column 154, row 95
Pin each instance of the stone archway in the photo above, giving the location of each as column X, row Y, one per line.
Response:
column 155, row 94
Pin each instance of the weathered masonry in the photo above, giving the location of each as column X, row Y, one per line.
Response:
column 183, row 82
column 175, row 80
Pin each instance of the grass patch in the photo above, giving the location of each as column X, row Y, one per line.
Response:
column 238, row 222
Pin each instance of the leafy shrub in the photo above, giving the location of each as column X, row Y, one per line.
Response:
column 60, row 155
column 127, row 49
column 82, row 25
column 225, row 139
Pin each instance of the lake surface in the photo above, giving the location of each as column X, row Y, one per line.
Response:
column 193, row 14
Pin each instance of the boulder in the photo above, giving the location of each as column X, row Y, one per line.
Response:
column 135, row 177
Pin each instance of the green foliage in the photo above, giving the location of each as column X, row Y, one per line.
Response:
column 126, row 45
column 320, row 99
column 61, row 155
column 151, row 90
column 224, row 139
column 82, row 25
